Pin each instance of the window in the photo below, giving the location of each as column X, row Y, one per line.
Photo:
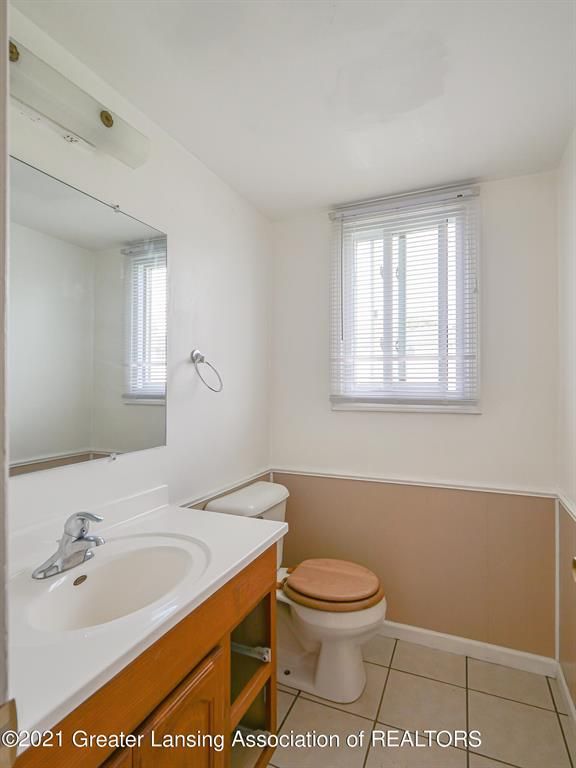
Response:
column 404, row 303
column 146, row 320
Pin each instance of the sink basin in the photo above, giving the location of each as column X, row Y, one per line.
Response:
column 125, row 575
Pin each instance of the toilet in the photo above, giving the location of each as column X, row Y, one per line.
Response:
column 327, row 609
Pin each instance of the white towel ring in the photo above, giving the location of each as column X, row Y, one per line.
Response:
column 197, row 357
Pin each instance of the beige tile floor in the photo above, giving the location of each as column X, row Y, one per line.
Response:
column 522, row 717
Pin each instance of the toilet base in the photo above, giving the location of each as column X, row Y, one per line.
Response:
column 296, row 671
column 306, row 673
column 333, row 670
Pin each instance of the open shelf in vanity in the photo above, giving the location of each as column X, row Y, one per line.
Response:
column 253, row 680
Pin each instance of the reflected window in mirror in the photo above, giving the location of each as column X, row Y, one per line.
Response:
column 146, row 272
column 87, row 327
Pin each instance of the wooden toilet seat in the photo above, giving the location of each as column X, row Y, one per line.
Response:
column 331, row 585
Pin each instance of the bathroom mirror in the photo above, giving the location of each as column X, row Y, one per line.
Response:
column 87, row 327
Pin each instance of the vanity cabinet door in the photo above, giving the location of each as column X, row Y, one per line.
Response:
column 120, row 759
column 197, row 706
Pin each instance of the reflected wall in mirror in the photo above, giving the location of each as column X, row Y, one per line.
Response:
column 87, row 327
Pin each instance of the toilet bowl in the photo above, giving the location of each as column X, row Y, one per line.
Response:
column 330, row 628
column 327, row 609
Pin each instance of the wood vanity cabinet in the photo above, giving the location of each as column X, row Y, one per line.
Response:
column 121, row 759
column 188, row 682
column 196, row 706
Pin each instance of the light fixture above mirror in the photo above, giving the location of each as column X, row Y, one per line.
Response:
column 46, row 96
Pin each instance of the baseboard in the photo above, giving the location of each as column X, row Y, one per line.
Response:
column 496, row 654
column 561, row 680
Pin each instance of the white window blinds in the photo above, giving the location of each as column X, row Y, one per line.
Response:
column 404, row 310
column 146, row 304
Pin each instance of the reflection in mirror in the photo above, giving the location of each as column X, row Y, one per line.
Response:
column 87, row 327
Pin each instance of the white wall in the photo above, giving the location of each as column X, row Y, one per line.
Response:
column 51, row 311
column 567, row 322
column 67, row 353
column 512, row 444
column 218, row 253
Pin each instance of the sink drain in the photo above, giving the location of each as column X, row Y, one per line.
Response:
column 79, row 580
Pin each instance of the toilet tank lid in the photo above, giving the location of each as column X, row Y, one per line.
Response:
column 253, row 500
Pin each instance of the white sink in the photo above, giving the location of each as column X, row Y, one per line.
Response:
column 136, row 584
column 125, row 575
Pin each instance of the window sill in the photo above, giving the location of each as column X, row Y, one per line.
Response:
column 404, row 408
column 127, row 400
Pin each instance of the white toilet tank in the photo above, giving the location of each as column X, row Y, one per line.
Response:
column 261, row 499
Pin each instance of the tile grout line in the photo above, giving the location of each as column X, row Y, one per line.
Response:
column 289, row 709
column 498, row 762
column 427, row 677
column 365, row 761
column 324, row 703
column 556, row 703
column 516, row 765
column 377, row 664
column 416, row 733
column 466, row 687
column 393, row 654
column 390, row 667
column 514, row 701
column 279, row 727
column 459, row 749
column 560, row 724
column 286, row 689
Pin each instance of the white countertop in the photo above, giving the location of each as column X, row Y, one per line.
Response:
column 52, row 672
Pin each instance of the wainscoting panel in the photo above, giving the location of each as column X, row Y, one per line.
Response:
column 470, row 563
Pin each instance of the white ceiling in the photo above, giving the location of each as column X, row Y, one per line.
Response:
column 304, row 103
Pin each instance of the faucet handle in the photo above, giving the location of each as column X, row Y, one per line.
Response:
column 78, row 524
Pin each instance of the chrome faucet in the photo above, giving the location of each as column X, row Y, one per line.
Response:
column 74, row 548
